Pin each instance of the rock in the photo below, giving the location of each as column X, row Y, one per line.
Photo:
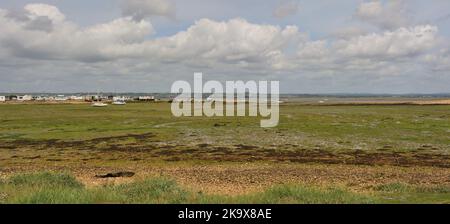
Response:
column 117, row 174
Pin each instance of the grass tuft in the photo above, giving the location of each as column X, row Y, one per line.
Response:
column 157, row 190
column 309, row 195
column 395, row 188
column 45, row 180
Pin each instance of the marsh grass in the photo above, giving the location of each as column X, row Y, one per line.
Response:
column 405, row 193
column 45, row 179
column 156, row 190
column 397, row 187
column 53, row 188
column 63, row 188
column 401, row 128
column 295, row 194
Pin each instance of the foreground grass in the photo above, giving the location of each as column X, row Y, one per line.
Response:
column 64, row 188
column 53, row 188
column 405, row 193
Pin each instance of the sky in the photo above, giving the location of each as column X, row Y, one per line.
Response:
column 316, row 46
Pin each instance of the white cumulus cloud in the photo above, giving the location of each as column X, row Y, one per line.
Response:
column 126, row 48
column 44, row 10
column 66, row 40
column 399, row 43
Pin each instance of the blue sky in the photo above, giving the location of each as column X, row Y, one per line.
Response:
column 145, row 45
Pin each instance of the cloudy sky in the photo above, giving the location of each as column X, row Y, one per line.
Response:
column 320, row 46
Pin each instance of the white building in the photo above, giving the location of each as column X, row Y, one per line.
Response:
column 25, row 98
column 60, row 98
column 2, row 98
column 49, row 98
column 76, row 98
column 144, row 98
column 119, row 98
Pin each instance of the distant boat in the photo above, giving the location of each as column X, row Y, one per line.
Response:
column 99, row 104
column 119, row 102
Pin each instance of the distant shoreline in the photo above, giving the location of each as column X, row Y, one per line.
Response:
column 299, row 101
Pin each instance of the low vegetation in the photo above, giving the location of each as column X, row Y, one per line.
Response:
column 56, row 188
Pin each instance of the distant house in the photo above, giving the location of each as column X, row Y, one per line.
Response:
column 89, row 97
column 96, row 98
column 146, row 98
column 25, row 98
column 76, row 98
column 39, row 98
column 60, row 98
column 119, row 98
column 2, row 98
column 11, row 97
column 49, row 98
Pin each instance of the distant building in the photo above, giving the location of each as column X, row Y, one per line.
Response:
column 11, row 97
column 146, row 98
column 90, row 97
column 76, row 98
column 96, row 98
column 60, row 98
column 2, row 98
column 119, row 98
column 49, row 98
column 25, row 98
column 39, row 98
